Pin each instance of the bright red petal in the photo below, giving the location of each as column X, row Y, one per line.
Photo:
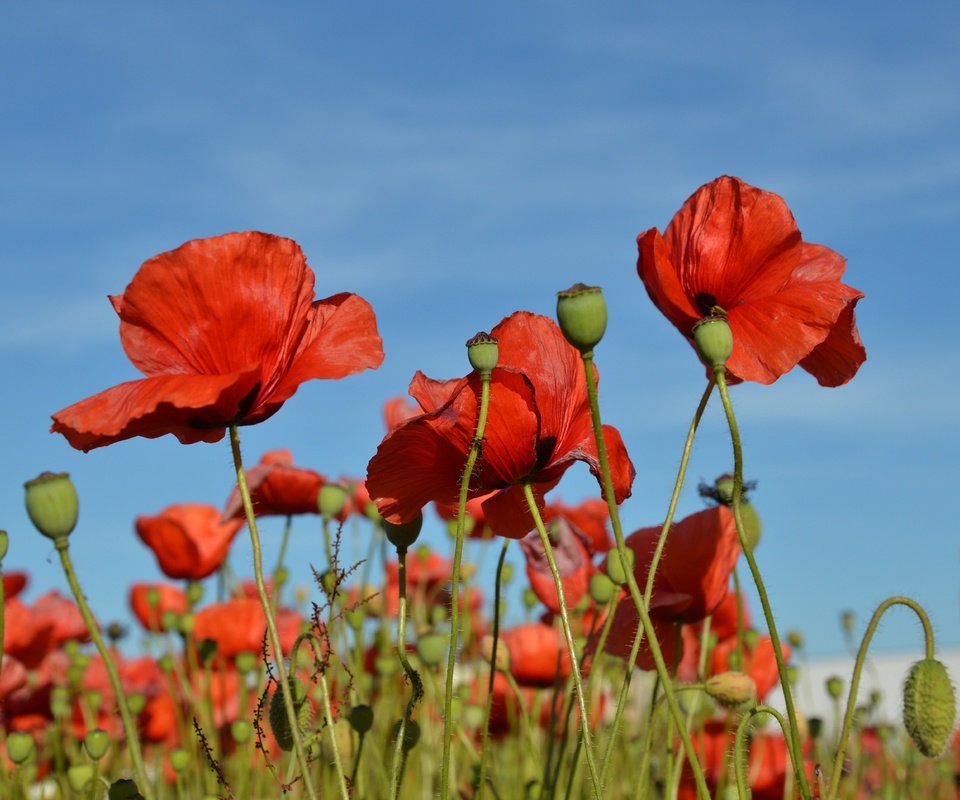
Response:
column 837, row 358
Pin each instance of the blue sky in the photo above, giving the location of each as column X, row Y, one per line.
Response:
column 453, row 163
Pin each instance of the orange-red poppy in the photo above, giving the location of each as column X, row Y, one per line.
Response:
column 538, row 654
column 538, row 424
column 278, row 487
column 225, row 330
column 190, row 540
column 738, row 248
column 14, row 582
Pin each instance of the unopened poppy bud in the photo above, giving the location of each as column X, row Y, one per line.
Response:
column 20, row 747
column 60, row 705
column 124, row 789
column 530, row 599
column 472, row 716
column 116, row 631
column 795, row 639
column 751, row 636
column 179, row 760
column 411, row 734
column 79, row 776
column 847, row 621
column 834, row 686
column 506, row 574
column 4, row 544
column 815, row 726
column 136, row 702
column 404, row 534
column 241, row 731
column 483, row 352
column 331, row 500
column 714, row 340
column 361, row 718
column 194, row 592
column 52, row 504
column 385, row 665
column 432, row 648
column 170, row 621
column 503, row 654
column 96, row 743
column 602, row 588
column 582, row 314
column 280, row 723
column 929, row 706
column 732, row 688
column 615, row 568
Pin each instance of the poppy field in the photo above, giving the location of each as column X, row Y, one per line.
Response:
column 639, row 668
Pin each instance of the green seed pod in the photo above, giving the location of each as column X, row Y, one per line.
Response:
column 602, row 588
column 52, row 504
column 241, row 731
column 361, row 718
column 279, row 723
column 179, row 760
column 732, row 688
column 929, row 706
column 96, row 743
column 582, row 314
column 404, row 534
column 124, row 789
column 371, row 511
column 79, row 776
column 795, row 639
column 834, row 686
column 432, row 648
column 714, row 340
column 530, row 599
column 752, row 526
column 331, row 500
column 483, row 352
column 615, row 569
column 20, row 747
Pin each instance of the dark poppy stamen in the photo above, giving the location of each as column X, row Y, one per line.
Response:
column 704, row 302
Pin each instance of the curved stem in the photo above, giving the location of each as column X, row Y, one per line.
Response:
column 448, row 722
column 739, row 760
column 568, row 635
column 129, row 727
column 272, row 632
column 837, row 773
column 488, row 706
column 702, row 791
column 793, row 741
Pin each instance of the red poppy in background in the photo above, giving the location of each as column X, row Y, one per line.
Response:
column 573, row 563
column 538, row 654
column 590, row 519
column 238, row 626
column 27, row 635
column 225, row 330
column 278, row 487
column 190, row 540
column 691, row 581
column 168, row 598
column 475, row 521
column 538, row 424
column 398, row 410
column 14, row 582
column 738, row 248
column 64, row 617
column 758, row 661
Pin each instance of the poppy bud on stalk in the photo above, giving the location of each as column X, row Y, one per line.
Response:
column 52, row 504
column 483, row 351
column 713, row 339
column 361, row 718
column 20, row 747
column 929, row 706
column 4, row 544
column 582, row 314
column 280, row 723
column 404, row 534
column 331, row 500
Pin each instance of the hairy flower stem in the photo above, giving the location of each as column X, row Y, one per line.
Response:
column 129, row 726
column 568, row 635
column 414, row 676
column 448, row 722
column 272, row 632
column 837, row 775
column 793, row 741
column 610, row 496
column 488, row 706
column 739, row 757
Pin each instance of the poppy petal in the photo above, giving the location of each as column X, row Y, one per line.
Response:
column 837, row 358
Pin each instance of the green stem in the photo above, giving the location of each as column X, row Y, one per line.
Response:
column 129, row 727
column 793, row 741
column 272, row 632
column 488, row 706
column 568, row 635
column 412, row 674
column 739, row 757
column 608, row 491
column 448, row 722
column 837, row 773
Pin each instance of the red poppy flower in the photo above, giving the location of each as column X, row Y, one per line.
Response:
column 278, row 487
column 538, row 654
column 190, row 540
column 168, row 598
column 590, row 519
column 573, row 563
column 738, row 247
column 64, row 616
column 475, row 521
column 225, row 330
column 14, row 582
column 538, row 424
column 691, row 581
column 27, row 635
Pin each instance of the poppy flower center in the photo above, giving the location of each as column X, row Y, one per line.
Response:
column 705, row 302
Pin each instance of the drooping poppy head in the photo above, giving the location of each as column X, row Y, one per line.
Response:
column 737, row 248
column 538, row 424
column 190, row 540
column 572, row 560
column 225, row 330
column 150, row 601
column 278, row 487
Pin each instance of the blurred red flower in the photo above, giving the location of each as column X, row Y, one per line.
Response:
column 278, row 487
column 190, row 540
column 737, row 247
column 225, row 330
column 572, row 560
column 538, row 424
column 168, row 598
column 590, row 518
column 691, row 580
column 538, row 654
column 14, row 582
column 239, row 625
